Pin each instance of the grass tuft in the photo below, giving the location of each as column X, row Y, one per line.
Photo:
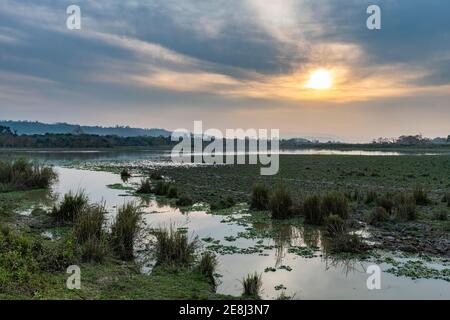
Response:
column 72, row 205
column 174, row 249
column 251, row 286
column 124, row 231
column 280, row 202
column 260, row 197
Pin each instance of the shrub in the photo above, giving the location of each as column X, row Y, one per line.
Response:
column 172, row 192
column 312, row 210
column 89, row 234
column 173, row 248
column 251, row 286
column 335, row 224
column 70, row 207
column 260, row 197
column 125, row 230
column 226, row 203
column 21, row 174
column 145, row 187
column 280, row 203
column 184, row 201
column 421, row 196
column 207, row 266
column 335, row 203
column 379, row 214
column 405, row 207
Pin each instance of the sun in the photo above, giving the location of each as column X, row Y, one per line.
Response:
column 320, row 79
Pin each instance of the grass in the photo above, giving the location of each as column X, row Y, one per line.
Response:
column 421, row 195
column 22, row 174
column 335, row 224
column 89, row 233
column 174, row 249
column 72, row 205
column 405, row 207
column 260, row 197
column 335, row 203
column 378, row 215
column 184, row 201
column 124, row 231
column 207, row 266
column 280, row 203
column 125, row 174
column 312, row 210
column 251, row 286
column 145, row 187
column 344, row 242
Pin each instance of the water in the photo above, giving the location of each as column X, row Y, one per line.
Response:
column 315, row 277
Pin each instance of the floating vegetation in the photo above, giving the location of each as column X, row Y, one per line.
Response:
column 305, row 252
column 416, row 269
column 280, row 287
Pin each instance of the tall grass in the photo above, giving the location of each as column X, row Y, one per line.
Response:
column 251, row 286
column 260, row 197
column 72, row 205
column 145, row 187
column 335, row 224
column 21, row 174
column 312, row 210
column 124, row 231
column 161, row 188
column 280, row 202
column 421, row 196
column 405, row 207
column 378, row 214
column 207, row 266
column 174, row 249
column 335, row 203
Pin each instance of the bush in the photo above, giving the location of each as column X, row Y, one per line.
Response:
column 145, row 187
column 207, row 266
column 173, row 248
column 172, row 192
column 24, row 175
column 125, row 230
column 405, row 207
column 184, row 201
column 280, row 203
column 335, row 203
column 335, row 224
column 421, row 196
column 260, row 197
column 251, row 286
column 379, row 214
column 89, row 234
column 312, row 210
column 70, row 207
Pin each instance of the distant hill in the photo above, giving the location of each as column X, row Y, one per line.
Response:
column 31, row 128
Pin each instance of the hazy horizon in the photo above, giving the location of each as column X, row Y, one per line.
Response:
column 231, row 64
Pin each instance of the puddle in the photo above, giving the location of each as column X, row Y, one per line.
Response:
column 286, row 256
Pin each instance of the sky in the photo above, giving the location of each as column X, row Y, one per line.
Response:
column 231, row 64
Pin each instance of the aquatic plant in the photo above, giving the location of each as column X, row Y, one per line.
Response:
column 335, row 224
column 405, row 207
column 172, row 191
column 184, row 201
column 280, row 203
column 421, row 196
column 72, row 205
column 259, row 197
column 174, row 249
column 377, row 215
column 207, row 266
column 22, row 174
column 251, row 286
column 334, row 203
column 312, row 210
column 124, row 230
column 89, row 233
column 161, row 188
column 145, row 187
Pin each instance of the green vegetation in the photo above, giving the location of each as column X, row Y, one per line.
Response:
column 125, row 230
column 89, row 234
column 405, row 207
column 145, row 187
column 207, row 266
column 280, row 202
column 21, row 174
column 125, row 174
column 251, row 286
column 174, row 249
column 260, row 197
column 378, row 215
column 421, row 196
column 72, row 205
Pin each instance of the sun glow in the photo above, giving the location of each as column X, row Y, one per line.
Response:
column 320, row 79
